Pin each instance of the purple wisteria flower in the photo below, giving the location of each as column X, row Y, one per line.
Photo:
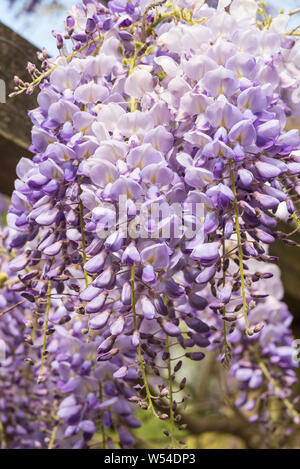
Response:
column 137, row 233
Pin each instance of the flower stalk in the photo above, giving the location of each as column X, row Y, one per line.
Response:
column 239, row 243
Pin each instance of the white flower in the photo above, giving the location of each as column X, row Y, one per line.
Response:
column 279, row 24
column 139, row 83
column 243, row 9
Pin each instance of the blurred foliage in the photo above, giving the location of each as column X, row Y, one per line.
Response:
column 215, row 440
column 150, row 434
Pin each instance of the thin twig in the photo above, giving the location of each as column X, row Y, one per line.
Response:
column 294, row 12
column 239, row 241
column 294, row 215
column 11, row 308
column 287, row 403
column 53, row 435
column 81, row 210
column 39, row 79
column 173, row 445
column 45, row 332
column 155, row 4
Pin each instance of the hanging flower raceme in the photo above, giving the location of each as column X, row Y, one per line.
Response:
column 140, row 224
column 264, row 368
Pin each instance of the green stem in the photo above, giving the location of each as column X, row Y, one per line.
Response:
column 286, row 402
column 102, row 426
column 132, row 104
column 2, row 436
column 86, row 278
column 45, row 332
column 9, row 254
column 83, row 242
column 239, row 241
column 170, row 395
column 296, row 219
column 138, row 347
column 131, row 70
column 224, row 282
column 48, row 72
column 53, row 435
column 132, row 109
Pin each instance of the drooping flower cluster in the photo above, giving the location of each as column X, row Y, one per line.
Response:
column 264, row 367
column 160, row 159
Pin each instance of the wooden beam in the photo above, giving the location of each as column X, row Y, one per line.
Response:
column 10, row 153
column 15, row 52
